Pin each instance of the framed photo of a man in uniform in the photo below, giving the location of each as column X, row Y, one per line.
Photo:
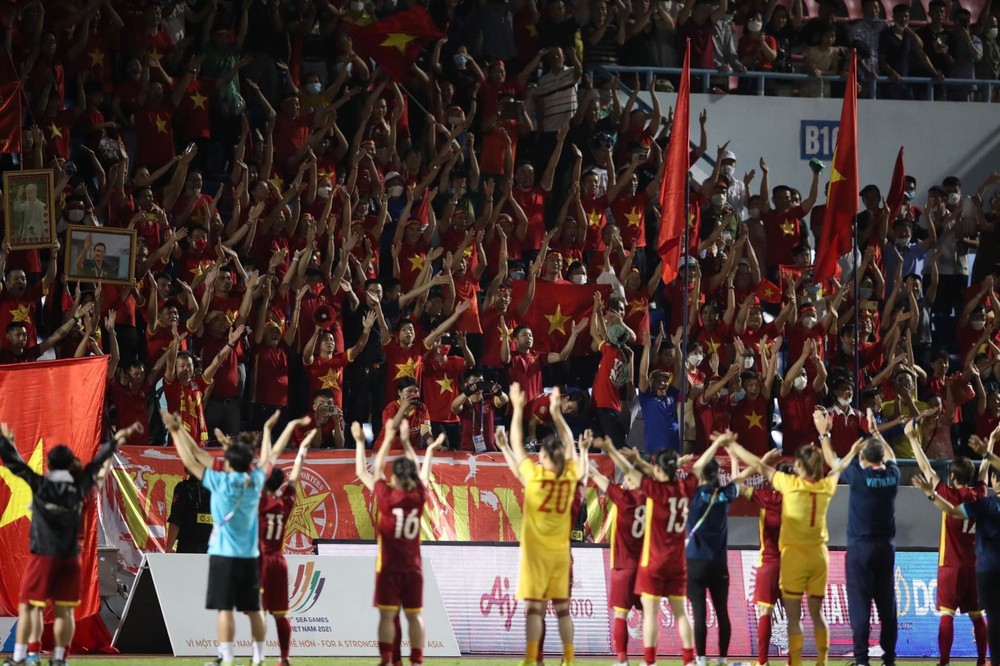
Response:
column 100, row 253
column 28, row 214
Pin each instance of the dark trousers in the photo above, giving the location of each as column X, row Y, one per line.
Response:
column 452, row 433
column 364, row 394
column 713, row 577
column 224, row 414
column 871, row 577
column 610, row 423
column 989, row 599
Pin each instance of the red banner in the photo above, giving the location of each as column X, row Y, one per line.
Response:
column 474, row 498
column 49, row 403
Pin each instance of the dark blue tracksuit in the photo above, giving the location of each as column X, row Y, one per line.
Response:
column 871, row 555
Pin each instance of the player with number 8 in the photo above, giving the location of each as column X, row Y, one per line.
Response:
column 399, row 579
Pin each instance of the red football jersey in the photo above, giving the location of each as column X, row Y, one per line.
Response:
column 399, row 515
column 328, row 373
column 666, row 518
column 490, row 318
column 402, row 362
column 606, row 393
column 274, row 511
column 749, row 421
column 796, row 419
column 526, row 370
column 628, row 526
column 769, row 502
column 958, row 537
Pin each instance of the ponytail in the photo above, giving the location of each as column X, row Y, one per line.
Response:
column 710, row 473
column 667, row 461
column 556, row 451
column 405, row 471
column 812, row 462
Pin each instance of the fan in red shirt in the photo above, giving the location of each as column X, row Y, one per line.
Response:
column 325, row 366
column 18, row 301
column 595, row 208
column 626, row 534
column 956, row 573
column 441, row 383
column 476, row 406
column 766, row 590
column 524, row 365
column 270, row 351
column 662, row 565
column 130, row 396
column 399, row 579
column 276, row 503
column 404, row 357
column 810, row 327
column 611, row 339
column 154, row 124
column 407, row 406
column 328, row 420
column 782, row 219
column 629, row 207
column 750, row 419
column 712, row 409
column 797, row 399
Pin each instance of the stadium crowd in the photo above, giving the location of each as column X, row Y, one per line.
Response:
column 311, row 238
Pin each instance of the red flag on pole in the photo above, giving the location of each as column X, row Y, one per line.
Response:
column 554, row 310
column 842, row 197
column 673, row 188
column 395, row 42
column 897, row 186
column 10, row 106
column 27, row 392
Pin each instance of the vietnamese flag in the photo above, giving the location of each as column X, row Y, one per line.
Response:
column 395, row 42
column 897, row 186
column 10, row 106
column 842, row 198
column 555, row 308
column 768, row 292
column 673, row 188
column 49, row 403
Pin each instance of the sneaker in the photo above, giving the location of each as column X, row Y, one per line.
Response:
column 57, row 662
column 10, row 662
column 33, row 659
column 620, row 663
column 214, row 662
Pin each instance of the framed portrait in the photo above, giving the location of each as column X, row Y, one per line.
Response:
column 99, row 253
column 28, row 210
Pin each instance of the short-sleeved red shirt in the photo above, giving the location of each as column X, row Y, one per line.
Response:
column 630, row 216
column 628, row 526
column 440, row 384
column 21, row 309
column 418, row 418
column 958, row 537
column 797, row 419
column 270, row 382
column 784, row 232
column 187, row 401
column 666, row 518
column 328, row 373
column 402, row 362
column 130, row 406
column 273, row 512
column 477, row 420
column 769, row 502
column 749, row 421
column 606, row 393
column 399, row 516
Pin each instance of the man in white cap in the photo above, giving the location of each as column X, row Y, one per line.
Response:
column 737, row 195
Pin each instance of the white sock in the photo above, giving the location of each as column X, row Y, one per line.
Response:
column 701, row 660
column 226, row 652
column 20, row 651
column 258, row 652
column 59, row 653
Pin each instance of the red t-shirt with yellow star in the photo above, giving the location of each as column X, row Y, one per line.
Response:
column 749, row 421
column 526, row 369
column 607, row 394
column 21, row 309
column 402, row 362
column 439, row 386
column 596, row 210
column 490, row 318
column 411, row 262
column 532, row 201
column 192, row 112
column 56, row 130
column 715, row 341
column 637, row 310
column 154, row 128
column 187, row 401
column 466, row 288
column 270, row 377
column 630, row 216
column 328, row 373
column 784, row 232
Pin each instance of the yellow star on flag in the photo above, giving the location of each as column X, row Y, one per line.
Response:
column 200, row 268
column 445, row 385
column 834, row 174
column 55, row 132
column 331, row 380
column 300, row 519
column 20, row 313
column 634, row 217
column 788, row 228
column 399, row 40
column 768, row 292
column 417, row 262
column 594, row 219
column 691, row 220
column 198, row 100
column 96, row 58
column 532, row 30
column 713, row 347
column 638, row 305
column 557, row 320
column 161, row 124
column 408, row 369
column 19, row 504
column 754, row 420
column 154, row 55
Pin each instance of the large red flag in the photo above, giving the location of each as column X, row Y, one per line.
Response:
column 842, row 197
column 10, row 106
column 555, row 308
column 897, row 186
column 673, row 188
column 396, row 41
column 49, row 403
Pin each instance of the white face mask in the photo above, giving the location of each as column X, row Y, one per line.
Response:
column 395, row 191
column 809, row 321
column 719, row 199
column 314, row 88
column 454, row 120
column 844, row 402
column 695, row 360
column 323, row 192
column 799, row 383
column 75, row 215
column 357, row 7
column 754, row 26
column 579, row 278
column 954, row 198
column 991, row 33
column 978, row 325
column 903, row 242
column 728, row 170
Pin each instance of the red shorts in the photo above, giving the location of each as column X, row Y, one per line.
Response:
column 622, row 595
column 399, row 588
column 661, row 584
column 956, row 589
column 274, row 584
column 51, row 578
column 766, row 590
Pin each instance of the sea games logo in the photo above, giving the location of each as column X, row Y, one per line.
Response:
column 305, row 590
column 314, row 509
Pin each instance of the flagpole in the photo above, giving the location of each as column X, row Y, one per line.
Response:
column 857, row 308
column 687, row 298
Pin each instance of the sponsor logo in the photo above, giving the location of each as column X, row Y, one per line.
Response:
column 308, row 584
column 500, row 597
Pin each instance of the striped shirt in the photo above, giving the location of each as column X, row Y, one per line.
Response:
column 557, row 91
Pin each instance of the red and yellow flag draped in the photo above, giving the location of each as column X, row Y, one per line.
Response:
column 49, row 403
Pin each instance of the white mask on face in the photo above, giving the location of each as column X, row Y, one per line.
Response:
column 578, row 278
column 75, row 215
column 695, row 360
column 323, row 192
column 844, row 402
column 954, row 198
column 754, row 26
column 991, row 33
column 314, row 88
column 728, row 170
column 809, row 321
column 719, row 199
column 395, row 191
column 978, row 325
column 357, row 7
column 799, row 383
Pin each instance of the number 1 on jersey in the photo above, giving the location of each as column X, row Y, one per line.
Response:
column 408, row 524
